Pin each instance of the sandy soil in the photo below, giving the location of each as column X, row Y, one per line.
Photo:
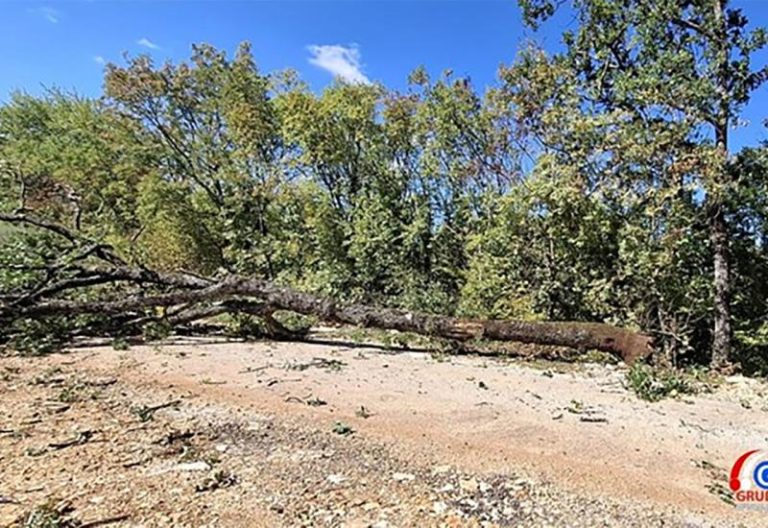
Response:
column 289, row 434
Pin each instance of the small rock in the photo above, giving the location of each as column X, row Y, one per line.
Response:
column 520, row 482
column 441, row 469
column 403, row 477
column 468, row 485
column 193, row 466
column 439, row 507
column 336, row 479
column 485, row 487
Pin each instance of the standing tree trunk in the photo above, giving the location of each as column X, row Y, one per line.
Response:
column 721, row 342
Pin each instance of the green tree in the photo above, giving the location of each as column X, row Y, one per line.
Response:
column 71, row 159
column 670, row 64
column 213, row 131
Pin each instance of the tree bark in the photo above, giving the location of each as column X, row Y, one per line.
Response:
column 721, row 339
column 629, row 346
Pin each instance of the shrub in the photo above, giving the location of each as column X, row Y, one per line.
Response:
column 653, row 385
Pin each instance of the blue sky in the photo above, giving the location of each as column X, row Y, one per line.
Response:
column 64, row 44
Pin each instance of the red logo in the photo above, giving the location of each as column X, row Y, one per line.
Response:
column 749, row 478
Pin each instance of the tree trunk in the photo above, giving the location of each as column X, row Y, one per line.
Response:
column 721, row 338
column 625, row 344
column 628, row 345
column 721, row 342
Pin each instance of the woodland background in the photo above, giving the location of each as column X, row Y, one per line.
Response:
column 593, row 185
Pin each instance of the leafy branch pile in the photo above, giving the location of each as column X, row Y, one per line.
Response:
column 596, row 186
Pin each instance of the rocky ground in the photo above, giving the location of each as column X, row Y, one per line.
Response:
column 229, row 434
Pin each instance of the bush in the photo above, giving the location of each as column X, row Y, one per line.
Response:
column 246, row 326
column 156, row 331
column 653, row 385
column 752, row 350
column 295, row 322
column 29, row 337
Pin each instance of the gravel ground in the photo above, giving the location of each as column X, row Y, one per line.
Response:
column 95, row 443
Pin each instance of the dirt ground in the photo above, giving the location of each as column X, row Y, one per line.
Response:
column 204, row 433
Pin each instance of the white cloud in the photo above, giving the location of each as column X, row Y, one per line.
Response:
column 48, row 13
column 144, row 41
column 98, row 59
column 339, row 60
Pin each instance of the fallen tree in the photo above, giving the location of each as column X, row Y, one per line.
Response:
column 187, row 298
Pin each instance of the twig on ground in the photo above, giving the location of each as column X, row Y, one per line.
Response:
column 248, row 370
column 101, row 383
column 146, row 413
column 593, row 419
column 175, row 436
column 275, row 381
column 363, row 412
column 105, row 521
column 207, row 381
column 81, row 438
column 696, row 426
